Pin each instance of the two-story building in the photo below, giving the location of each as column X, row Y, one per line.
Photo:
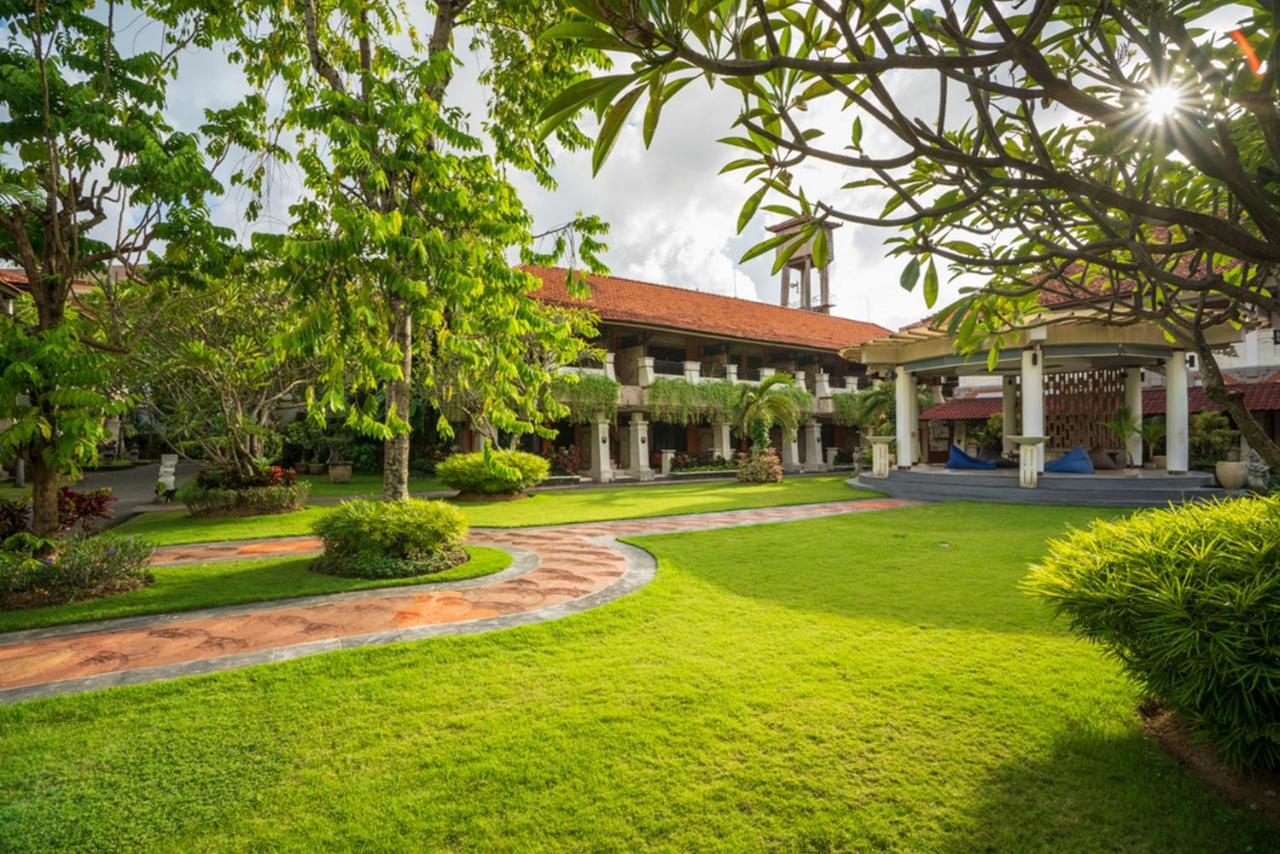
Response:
column 650, row 331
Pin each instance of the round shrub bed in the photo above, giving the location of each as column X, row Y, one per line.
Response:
column 391, row 539
column 220, row 493
column 1188, row 600
column 35, row 572
column 491, row 472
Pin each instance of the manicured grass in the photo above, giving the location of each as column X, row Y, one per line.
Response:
column 363, row 485
column 186, row 588
column 556, row 507
column 851, row 683
column 10, row 492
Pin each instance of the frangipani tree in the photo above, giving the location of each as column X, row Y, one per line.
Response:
column 1126, row 154
column 399, row 251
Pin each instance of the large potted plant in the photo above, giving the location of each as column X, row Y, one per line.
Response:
column 339, row 466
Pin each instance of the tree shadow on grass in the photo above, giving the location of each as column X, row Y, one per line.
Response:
column 1101, row 793
column 913, row 574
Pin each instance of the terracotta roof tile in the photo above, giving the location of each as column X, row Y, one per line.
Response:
column 643, row 303
column 963, row 409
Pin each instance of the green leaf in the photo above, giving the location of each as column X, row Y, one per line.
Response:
column 609, row 130
column 930, row 285
column 910, row 275
column 749, row 208
column 579, row 94
column 763, row 247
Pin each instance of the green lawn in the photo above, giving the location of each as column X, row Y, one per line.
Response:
column 363, row 485
column 555, row 507
column 185, row 588
column 852, row 683
column 11, row 492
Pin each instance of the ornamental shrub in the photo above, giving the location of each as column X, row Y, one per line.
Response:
column 762, row 467
column 390, row 539
column 1188, row 600
column 36, row 572
column 491, row 472
column 244, row 501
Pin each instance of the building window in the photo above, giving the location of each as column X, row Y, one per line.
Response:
column 1275, row 337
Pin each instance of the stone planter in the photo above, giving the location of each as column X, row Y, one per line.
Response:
column 1159, row 461
column 313, row 468
column 339, row 472
column 1232, row 475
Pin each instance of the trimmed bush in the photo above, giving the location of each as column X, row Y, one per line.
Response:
column 82, row 566
column 491, row 472
column 223, row 492
column 1188, row 600
column 764, row 467
column 245, row 501
column 391, row 539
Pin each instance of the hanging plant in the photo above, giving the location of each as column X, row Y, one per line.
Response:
column 589, row 397
column 678, row 401
column 673, row 400
column 844, row 408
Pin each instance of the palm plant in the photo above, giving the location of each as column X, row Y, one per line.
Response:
column 757, row 408
column 1152, row 431
column 1123, row 424
column 875, row 408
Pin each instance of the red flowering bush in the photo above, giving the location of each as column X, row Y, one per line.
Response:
column 764, row 467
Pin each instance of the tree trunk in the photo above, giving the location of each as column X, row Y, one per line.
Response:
column 1232, row 400
column 44, row 496
column 395, row 465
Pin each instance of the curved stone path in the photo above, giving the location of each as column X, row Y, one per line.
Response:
column 555, row 571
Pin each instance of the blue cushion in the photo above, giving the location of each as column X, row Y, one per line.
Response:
column 1075, row 461
column 958, row 459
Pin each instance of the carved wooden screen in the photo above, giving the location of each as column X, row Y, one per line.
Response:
column 1075, row 402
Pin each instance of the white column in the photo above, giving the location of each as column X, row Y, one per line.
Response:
column 1133, row 402
column 916, row 448
column 813, row 447
column 692, row 371
column 1009, row 412
column 645, row 372
column 904, row 389
column 1033, row 401
column 601, row 465
column 609, row 370
column 731, row 372
column 1176, row 412
column 638, row 447
column 790, row 455
column 720, row 439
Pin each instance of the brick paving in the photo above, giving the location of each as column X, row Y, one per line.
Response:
column 573, row 565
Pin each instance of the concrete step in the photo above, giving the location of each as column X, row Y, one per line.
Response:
column 1109, row 494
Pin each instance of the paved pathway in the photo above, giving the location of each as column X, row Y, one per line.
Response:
column 555, row 571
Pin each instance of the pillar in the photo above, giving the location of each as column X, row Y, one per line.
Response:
column 1009, row 412
column 904, row 389
column 1176, row 413
column 1133, row 402
column 601, row 466
column 917, row 449
column 720, row 439
column 813, row 447
column 790, row 454
column 638, row 447
column 1033, row 401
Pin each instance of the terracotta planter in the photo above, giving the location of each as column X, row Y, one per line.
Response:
column 1232, row 475
column 339, row 472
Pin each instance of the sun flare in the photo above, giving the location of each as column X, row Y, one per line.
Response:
column 1162, row 102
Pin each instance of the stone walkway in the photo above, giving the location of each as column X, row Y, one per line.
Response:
column 555, row 571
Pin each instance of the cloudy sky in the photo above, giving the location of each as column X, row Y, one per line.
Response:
column 672, row 216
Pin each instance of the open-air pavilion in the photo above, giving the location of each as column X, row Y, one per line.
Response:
column 1059, row 380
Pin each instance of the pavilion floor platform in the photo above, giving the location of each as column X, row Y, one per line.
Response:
column 1128, row 488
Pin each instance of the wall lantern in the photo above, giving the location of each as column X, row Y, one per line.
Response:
column 604, row 440
column 1035, row 357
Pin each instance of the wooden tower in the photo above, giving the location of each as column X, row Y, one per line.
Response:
column 797, row 274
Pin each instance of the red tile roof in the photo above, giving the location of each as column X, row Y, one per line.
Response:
column 963, row 409
column 646, row 304
column 1258, row 397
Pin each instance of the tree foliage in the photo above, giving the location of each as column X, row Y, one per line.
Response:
column 94, row 181
column 1126, row 155
column 400, row 244
column 773, row 402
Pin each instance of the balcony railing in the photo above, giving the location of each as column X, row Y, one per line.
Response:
column 668, row 367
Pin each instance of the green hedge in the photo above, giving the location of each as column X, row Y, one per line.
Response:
column 244, row 501
column 589, row 397
column 390, row 539
column 492, row 472
column 1188, row 600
